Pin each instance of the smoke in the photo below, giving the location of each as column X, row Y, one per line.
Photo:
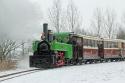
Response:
column 19, row 19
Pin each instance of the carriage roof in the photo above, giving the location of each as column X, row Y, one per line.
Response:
column 99, row 39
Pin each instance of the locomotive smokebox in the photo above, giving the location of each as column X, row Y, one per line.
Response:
column 45, row 30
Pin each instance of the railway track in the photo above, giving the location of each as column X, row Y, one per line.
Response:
column 17, row 74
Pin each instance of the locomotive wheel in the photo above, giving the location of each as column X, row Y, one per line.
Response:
column 75, row 62
column 86, row 62
column 80, row 62
column 67, row 62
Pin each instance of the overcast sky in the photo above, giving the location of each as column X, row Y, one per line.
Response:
column 86, row 7
column 23, row 18
column 19, row 19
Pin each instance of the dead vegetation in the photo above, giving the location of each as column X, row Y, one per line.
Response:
column 7, row 65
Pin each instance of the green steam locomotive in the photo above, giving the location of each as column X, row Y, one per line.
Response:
column 56, row 49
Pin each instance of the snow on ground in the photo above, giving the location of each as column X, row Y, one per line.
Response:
column 92, row 73
column 22, row 65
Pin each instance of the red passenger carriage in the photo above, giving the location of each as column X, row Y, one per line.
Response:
column 99, row 49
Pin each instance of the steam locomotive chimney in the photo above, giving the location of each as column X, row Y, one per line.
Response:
column 45, row 30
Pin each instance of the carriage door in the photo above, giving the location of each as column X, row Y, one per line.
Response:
column 101, row 49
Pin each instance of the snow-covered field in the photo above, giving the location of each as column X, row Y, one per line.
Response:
column 92, row 73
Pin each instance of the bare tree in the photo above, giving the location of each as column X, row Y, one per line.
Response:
column 110, row 23
column 55, row 15
column 123, row 20
column 121, row 33
column 80, row 31
column 6, row 47
column 73, row 18
column 97, row 22
column 23, row 48
column 26, row 48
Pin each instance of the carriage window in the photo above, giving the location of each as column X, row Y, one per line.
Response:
column 108, row 44
column 92, row 43
column 115, row 44
column 105, row 44
column 95, row 43
column 89, row 43
column 85, row 42
column 112, row 44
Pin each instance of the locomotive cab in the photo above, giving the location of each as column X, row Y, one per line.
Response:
column 77, row 43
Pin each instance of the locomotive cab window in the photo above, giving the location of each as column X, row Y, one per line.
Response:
column 79, row 41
